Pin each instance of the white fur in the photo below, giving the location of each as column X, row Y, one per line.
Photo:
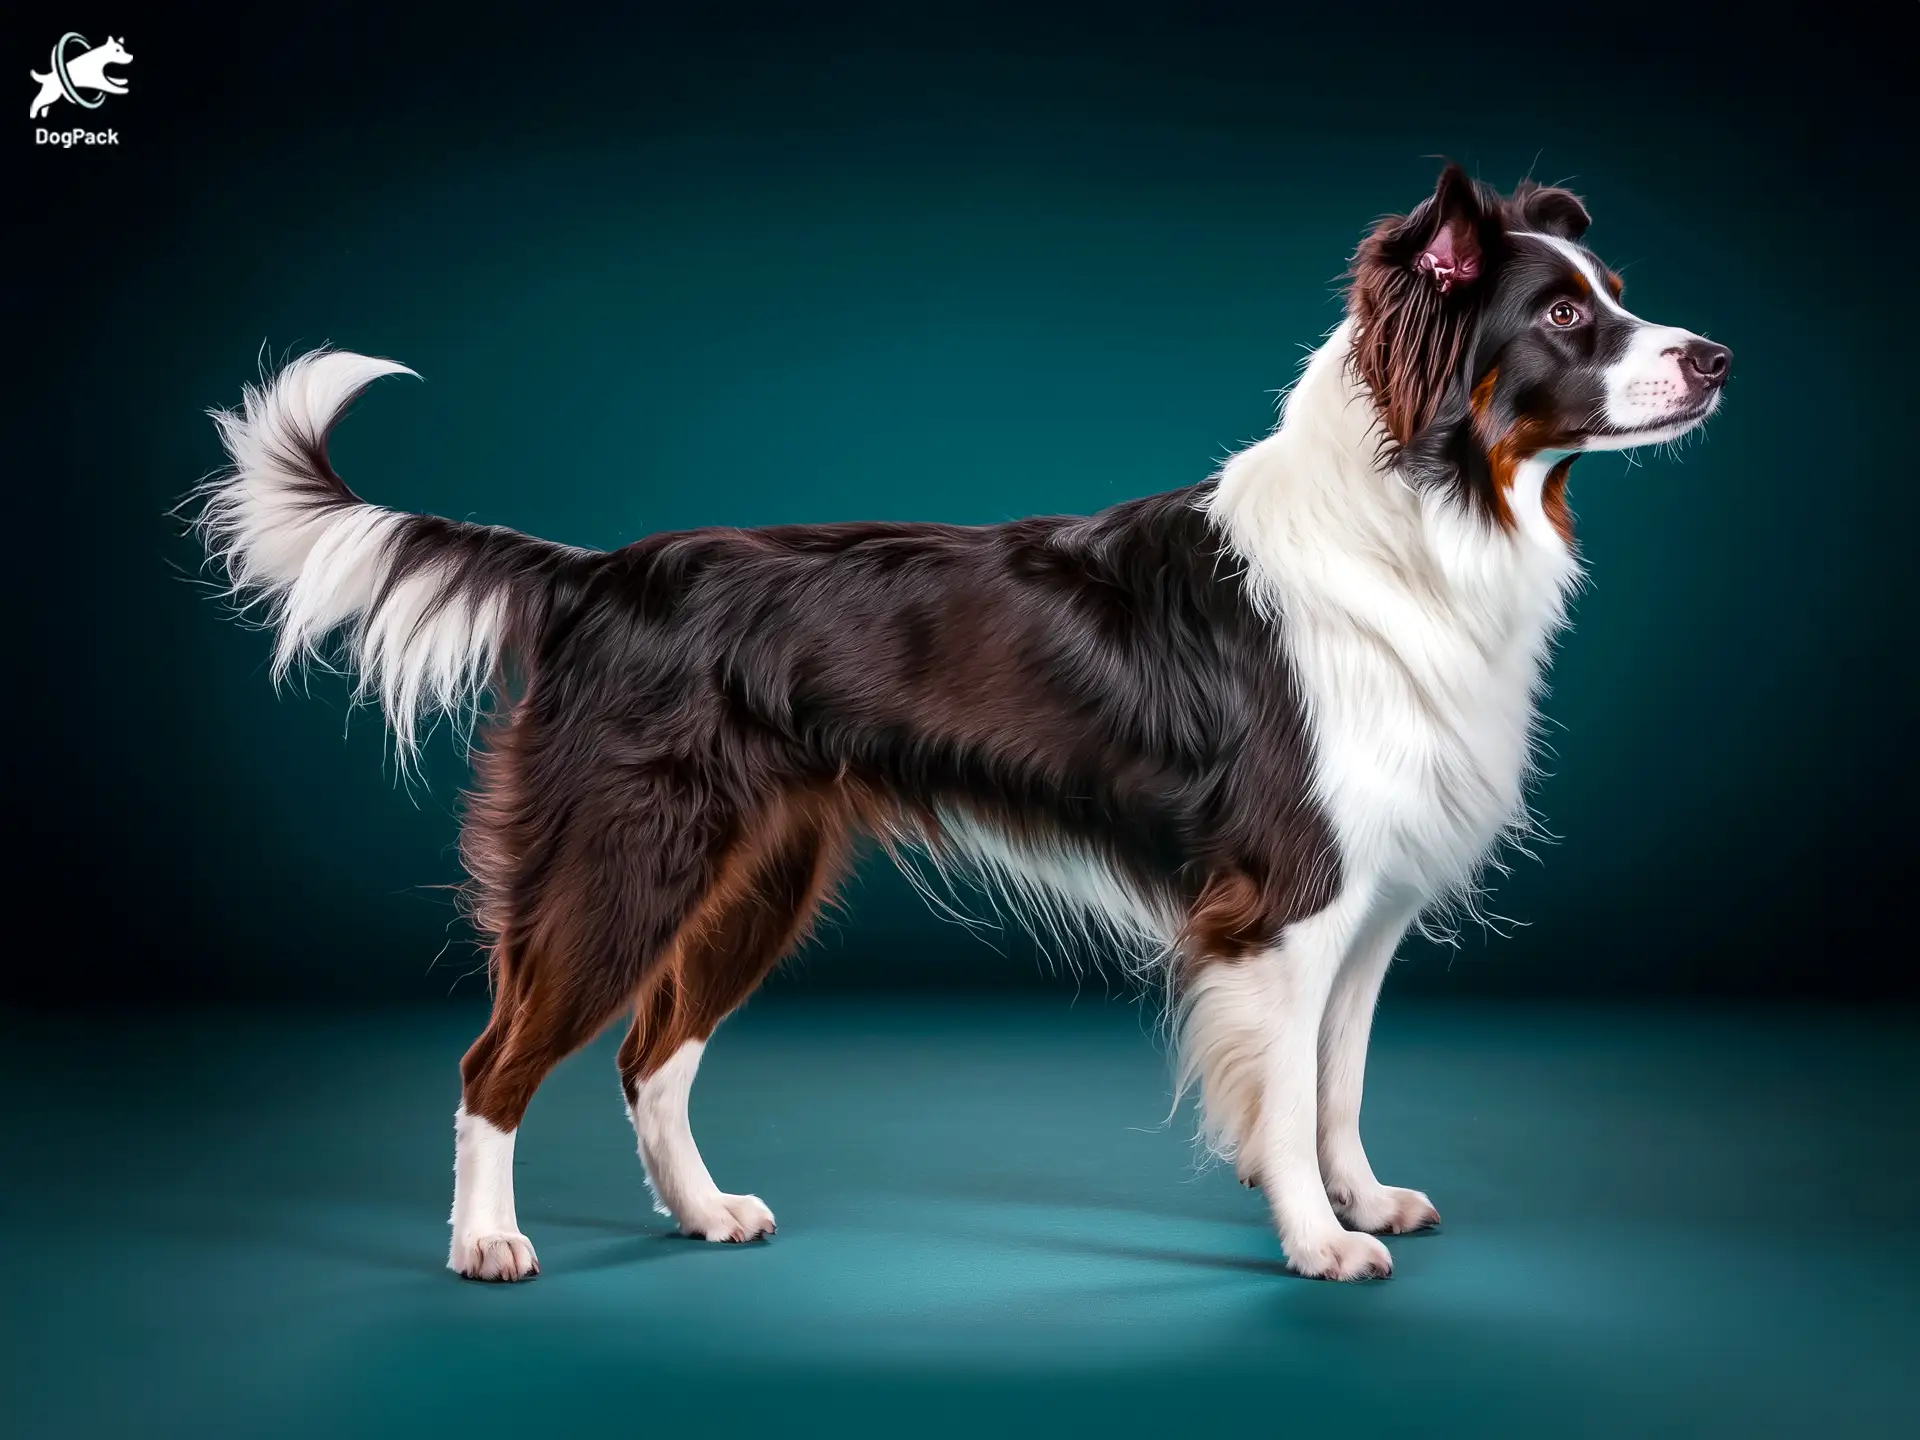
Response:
column 317, row 570
column 1061, row 893
column 682, row 1188
column 487, row 1243
column 1299, row 977
column 1646, row 389
column 1223, row 1029
column 1356, row 1195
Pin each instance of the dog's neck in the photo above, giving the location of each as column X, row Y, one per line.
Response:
column 1329, row 402
column 1321, row 498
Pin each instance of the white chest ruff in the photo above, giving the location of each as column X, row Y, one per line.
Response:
column 1417, row 632
column 1421, row 744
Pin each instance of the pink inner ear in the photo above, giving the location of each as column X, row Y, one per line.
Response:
column 1452, row 257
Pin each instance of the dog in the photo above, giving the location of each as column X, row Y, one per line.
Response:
column 1250, row 730
column 86, row 71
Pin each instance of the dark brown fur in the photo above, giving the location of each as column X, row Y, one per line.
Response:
column 710, row 720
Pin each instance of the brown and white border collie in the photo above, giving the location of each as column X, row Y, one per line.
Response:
column 1251, row 730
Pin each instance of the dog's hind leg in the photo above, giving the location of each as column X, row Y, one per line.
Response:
column 586, row 893
column 535, row 1024
column 775, row 873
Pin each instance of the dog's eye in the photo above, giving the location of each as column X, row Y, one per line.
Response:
column 1563, row 314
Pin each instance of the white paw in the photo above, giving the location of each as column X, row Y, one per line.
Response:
column 1385, row 1210
column 730, row 1219
column 505, row 1256
column 1340, row 1255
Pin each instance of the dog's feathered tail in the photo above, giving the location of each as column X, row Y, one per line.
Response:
column 423, row 611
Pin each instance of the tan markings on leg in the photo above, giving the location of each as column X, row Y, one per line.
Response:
column 773, row 879
column 769, row 887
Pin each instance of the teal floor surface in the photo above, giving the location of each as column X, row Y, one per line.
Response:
column 1668, row 1222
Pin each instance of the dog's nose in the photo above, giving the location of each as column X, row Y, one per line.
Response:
column 1705, row 362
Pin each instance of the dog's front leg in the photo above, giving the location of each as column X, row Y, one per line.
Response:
column 1300, row 978
column 1358, row 1198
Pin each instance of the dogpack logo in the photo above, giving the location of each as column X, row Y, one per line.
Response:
column 77, row 71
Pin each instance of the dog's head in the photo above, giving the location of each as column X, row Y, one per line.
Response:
column 1490, row 335
column 113, row 53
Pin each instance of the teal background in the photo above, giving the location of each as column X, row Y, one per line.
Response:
column 735, row 264
column 661, row 270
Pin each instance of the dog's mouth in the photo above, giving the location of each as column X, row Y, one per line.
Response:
column 1654, row 432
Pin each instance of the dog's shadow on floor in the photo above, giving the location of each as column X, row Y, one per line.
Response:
column 634, row 1229
column 638, row 1241
column 1093, row 1247
column 1224, row 1207
column 638, row 1249
column 1160, row 1255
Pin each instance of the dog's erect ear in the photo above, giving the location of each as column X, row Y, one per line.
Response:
column 1449, row 236
column 1417, row 285
column 1447, row 227
column 1549, row 210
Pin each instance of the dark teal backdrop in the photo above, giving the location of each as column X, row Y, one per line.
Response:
column 660, row 271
